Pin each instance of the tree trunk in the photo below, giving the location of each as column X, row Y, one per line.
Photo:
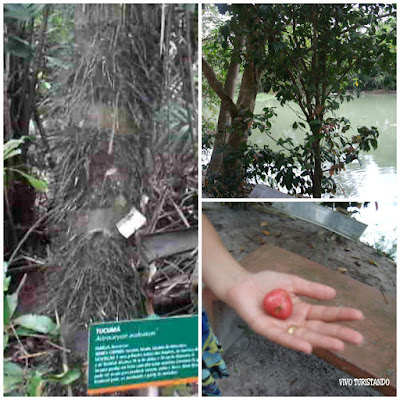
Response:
column 317, row 176
column 231, row 172
column 246, row 101
column 224, row 120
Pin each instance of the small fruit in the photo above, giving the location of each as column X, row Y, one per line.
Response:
column 278, row 304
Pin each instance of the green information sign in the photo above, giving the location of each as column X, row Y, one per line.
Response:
column 148, row 352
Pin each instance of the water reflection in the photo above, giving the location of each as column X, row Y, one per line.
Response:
column 376, row 176
column 381, row 218
column 370, row 181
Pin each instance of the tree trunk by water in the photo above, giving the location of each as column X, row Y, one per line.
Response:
column 224, row 119
column 227, row 144
column 246, row 100
column 317, row 176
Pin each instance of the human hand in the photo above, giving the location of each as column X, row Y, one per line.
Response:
column 311, row 326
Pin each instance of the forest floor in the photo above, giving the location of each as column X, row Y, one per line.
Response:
column 259, row 367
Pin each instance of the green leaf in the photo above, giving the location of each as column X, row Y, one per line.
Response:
column 6, row 312
column 10, row 147
column 37, row 184
column 5, row 340
column 12, row 369
column 374, row 143
column 6, row 279
column 10, row 383
column 65, row 378
column 12, row 303
column 19, row 12
column 38, row 323
column 312, row 138
column 13, row 376
column 46, row 85
column 24, row 331
column 13, row 154
column 35, row 385
column 315, row 122
column 18, row 47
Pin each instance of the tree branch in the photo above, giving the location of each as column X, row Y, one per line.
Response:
column 355, row 27
column 218, row 88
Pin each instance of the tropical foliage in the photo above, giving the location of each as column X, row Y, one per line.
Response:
column 307, row 54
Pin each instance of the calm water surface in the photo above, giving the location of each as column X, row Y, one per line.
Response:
column 381, row 218
column 375, row 178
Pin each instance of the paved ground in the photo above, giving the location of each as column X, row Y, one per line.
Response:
column 259, row 367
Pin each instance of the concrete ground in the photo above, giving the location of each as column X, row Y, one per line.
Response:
column 257, row 366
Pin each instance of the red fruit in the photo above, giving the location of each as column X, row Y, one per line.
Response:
column 278, row 304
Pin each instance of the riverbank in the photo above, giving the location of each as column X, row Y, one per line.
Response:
column 380, row 91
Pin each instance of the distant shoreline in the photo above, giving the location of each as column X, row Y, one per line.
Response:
column 379, row 91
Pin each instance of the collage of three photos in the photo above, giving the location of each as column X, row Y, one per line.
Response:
column 189, row 182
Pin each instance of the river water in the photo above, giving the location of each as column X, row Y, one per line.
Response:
column 381, row 218
column 375, row 178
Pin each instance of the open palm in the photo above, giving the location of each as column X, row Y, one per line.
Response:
column 314, row 325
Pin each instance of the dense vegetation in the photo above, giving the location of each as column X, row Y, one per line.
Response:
column 316, row 56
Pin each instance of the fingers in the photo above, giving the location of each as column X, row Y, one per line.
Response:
column 320, row 335
column 319, row 330
column 281, row 336
column 340, row 332
column 314, row 290
column 333, row 314
column 307, row 338
column 322, row 292
column 318, row 339
column 307, row 335
column 294, row 342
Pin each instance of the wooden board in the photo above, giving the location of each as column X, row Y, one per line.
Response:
column 376, row 358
